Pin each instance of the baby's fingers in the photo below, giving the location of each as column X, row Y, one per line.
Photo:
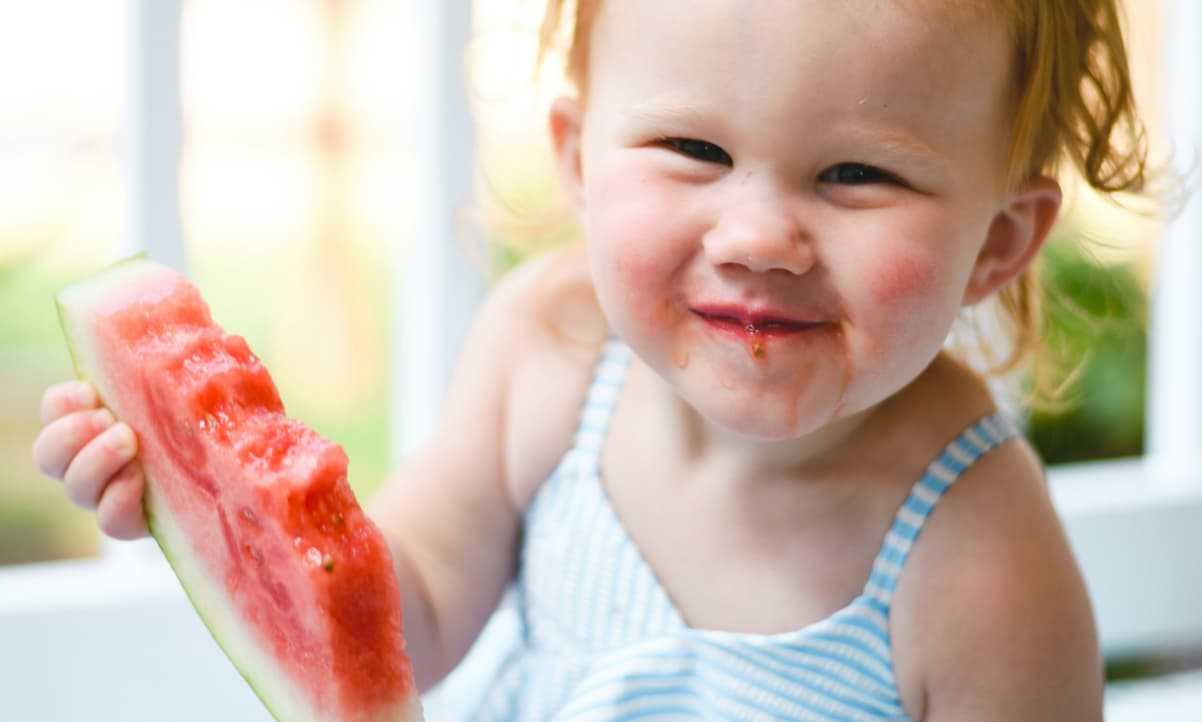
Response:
column 68, row 397
column 97, row 462
column 64, row 437
column 119, row 513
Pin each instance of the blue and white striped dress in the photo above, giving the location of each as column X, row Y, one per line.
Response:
column 602, row 641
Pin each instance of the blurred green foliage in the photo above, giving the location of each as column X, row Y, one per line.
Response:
column 1097, row 329
column 37, row 522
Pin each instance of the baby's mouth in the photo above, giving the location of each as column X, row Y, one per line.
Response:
column 756, row 331
column 754, row 325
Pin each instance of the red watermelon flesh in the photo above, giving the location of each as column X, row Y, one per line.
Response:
column 251, row 508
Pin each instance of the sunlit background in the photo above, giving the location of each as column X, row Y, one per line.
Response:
column 297, row 192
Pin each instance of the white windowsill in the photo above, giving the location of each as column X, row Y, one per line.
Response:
column 1136, row 532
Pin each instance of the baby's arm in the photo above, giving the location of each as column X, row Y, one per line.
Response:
column 452, row 513
column 992, row 617
column 450, row 522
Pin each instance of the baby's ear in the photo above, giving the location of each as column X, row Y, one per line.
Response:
column 565, row 117
column 1015, row 237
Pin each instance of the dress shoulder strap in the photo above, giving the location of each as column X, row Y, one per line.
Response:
column 960, row 454
column 608, row 376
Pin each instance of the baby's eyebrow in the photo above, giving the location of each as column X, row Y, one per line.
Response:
column 894, row 142
column 661, row 112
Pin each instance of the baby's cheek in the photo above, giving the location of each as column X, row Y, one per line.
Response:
column 644, row 287
column 629, row 274
column 624, row 254
column 629, row 241
column 904, row 283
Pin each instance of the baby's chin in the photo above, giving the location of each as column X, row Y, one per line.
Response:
column 768, row 419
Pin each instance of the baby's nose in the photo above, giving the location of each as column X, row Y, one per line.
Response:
column 760, row 236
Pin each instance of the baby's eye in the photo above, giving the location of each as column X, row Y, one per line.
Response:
column 701, row 150
column 855, row 174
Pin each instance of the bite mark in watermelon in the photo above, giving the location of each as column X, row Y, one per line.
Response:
column 251, row 508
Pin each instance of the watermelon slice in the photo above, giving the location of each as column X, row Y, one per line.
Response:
column 252, row 509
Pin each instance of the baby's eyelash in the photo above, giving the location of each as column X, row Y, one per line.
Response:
column 700, row 150
column 856, row 174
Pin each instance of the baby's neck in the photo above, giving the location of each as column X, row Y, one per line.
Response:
column 921, row 417
column 696, row 440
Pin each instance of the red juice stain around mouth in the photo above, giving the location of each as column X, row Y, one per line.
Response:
column 754, row 335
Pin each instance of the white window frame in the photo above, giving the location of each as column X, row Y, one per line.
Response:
column 119, row 631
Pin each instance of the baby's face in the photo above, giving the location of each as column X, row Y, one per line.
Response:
column 784, row 200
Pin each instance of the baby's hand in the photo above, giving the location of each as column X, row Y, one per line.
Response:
column 95, row 457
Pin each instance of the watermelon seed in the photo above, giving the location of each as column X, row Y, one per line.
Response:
column 327, row 563
column 337, row 519
column 253, row 553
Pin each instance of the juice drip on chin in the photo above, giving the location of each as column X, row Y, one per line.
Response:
column 805, row 402
column 755, row 345
column 845, row 383
column 682, row 347
column 680, row 356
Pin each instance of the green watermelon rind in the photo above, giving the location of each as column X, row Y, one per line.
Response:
column 278, row 693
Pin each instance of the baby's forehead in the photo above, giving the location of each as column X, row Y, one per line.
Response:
column 956, row 23
column 957, row 11
column 849, row 40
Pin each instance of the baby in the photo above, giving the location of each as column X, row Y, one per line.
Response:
column 743, row 477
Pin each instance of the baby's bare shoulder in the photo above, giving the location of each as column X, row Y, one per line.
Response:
column 991, row 618
column 559, row 330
